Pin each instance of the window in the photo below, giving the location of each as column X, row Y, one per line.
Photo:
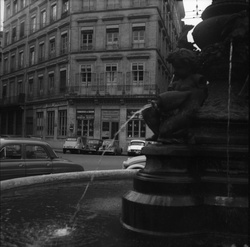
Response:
column 22, row 25
column 113, row 4
column 43, row 19
column 12, row 151
column 112, row 37
column 33, row 24
column 88, row 5
column 6, row 65
column 39, row 123
column 136, row 127
column 32, row 55
column 40, row 85
column 63, row 79
column 87, row 39
column 7, row 11
column 35, row 152
column 41, row 52
column 111, row 72
column 51, row 82
column 30, row 86
column 53, row 13
column 14, row 38
column 65, row 6
column 4, row 92
column 138, row 35
column 50, row 123
column 13, row 62
column 62, row 125
column 64, row 43
column 86, row 74
column 137, row 72
column 22, row 4
column 19, row 87
column 14, row 6
column 21, row 59
column 7, row 38
column 52, row 47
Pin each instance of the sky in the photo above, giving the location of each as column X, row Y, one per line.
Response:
column 190, row 7
column 193, row 10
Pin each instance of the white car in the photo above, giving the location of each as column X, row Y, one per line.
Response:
column 137, row 162
column 135, row 147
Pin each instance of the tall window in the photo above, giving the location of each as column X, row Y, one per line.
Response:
column 22, row 4
column 6, row 64
column 14, row 37
column 7, row 37
column 7, row 11
column 87, row 40
column 13, row 62
column 138, row 35
column 112, row 37
column 22, row 26
column 43, row 18
column 39, row 123
column 19, row 87
column 30, row 86
column 51, row 85
column 52, row 47
column 53, row 13
column 33, row 24
column 21, row 59
column 88, row 5
column 64, row 43
column 86, row 73
column 65, row 6
column 137, row 72
column 41, row 54
column 62, row 125
column 111, row 72
column 32, row 55
column 40, row 85
column 50, row 123
column 136, row 127
column 14, row 6
column 63, row 80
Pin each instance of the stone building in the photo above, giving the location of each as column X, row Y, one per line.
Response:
column 83, row 67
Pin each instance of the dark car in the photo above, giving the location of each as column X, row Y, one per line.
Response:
column 92, row 145
column 110, row 147
column 22, row 157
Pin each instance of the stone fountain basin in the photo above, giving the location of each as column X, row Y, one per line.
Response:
column 34, row 208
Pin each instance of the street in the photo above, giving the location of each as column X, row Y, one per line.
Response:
column 91, row 162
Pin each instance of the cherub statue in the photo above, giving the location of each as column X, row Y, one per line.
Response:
column 171, row 114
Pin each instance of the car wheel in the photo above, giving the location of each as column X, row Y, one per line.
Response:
column 64, row 151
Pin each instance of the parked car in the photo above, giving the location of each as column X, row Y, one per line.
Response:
column 135, row 147
column 22, row 157
column 110, row 147
column 137, row 162
column 74, row 144
column 92, row 146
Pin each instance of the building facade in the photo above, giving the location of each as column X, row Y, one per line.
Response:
column 84, row 67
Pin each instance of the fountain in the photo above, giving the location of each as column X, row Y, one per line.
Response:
column 193, row 190
column 195, row 181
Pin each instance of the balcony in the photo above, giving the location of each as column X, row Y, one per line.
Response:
column 112, row 83
column 13, row 100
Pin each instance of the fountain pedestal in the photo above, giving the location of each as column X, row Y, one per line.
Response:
column 186, row 189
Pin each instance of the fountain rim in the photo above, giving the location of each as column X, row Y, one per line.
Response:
column 84, row 176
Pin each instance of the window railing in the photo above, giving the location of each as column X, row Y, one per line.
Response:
column 86, row 47
column 107, row 84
